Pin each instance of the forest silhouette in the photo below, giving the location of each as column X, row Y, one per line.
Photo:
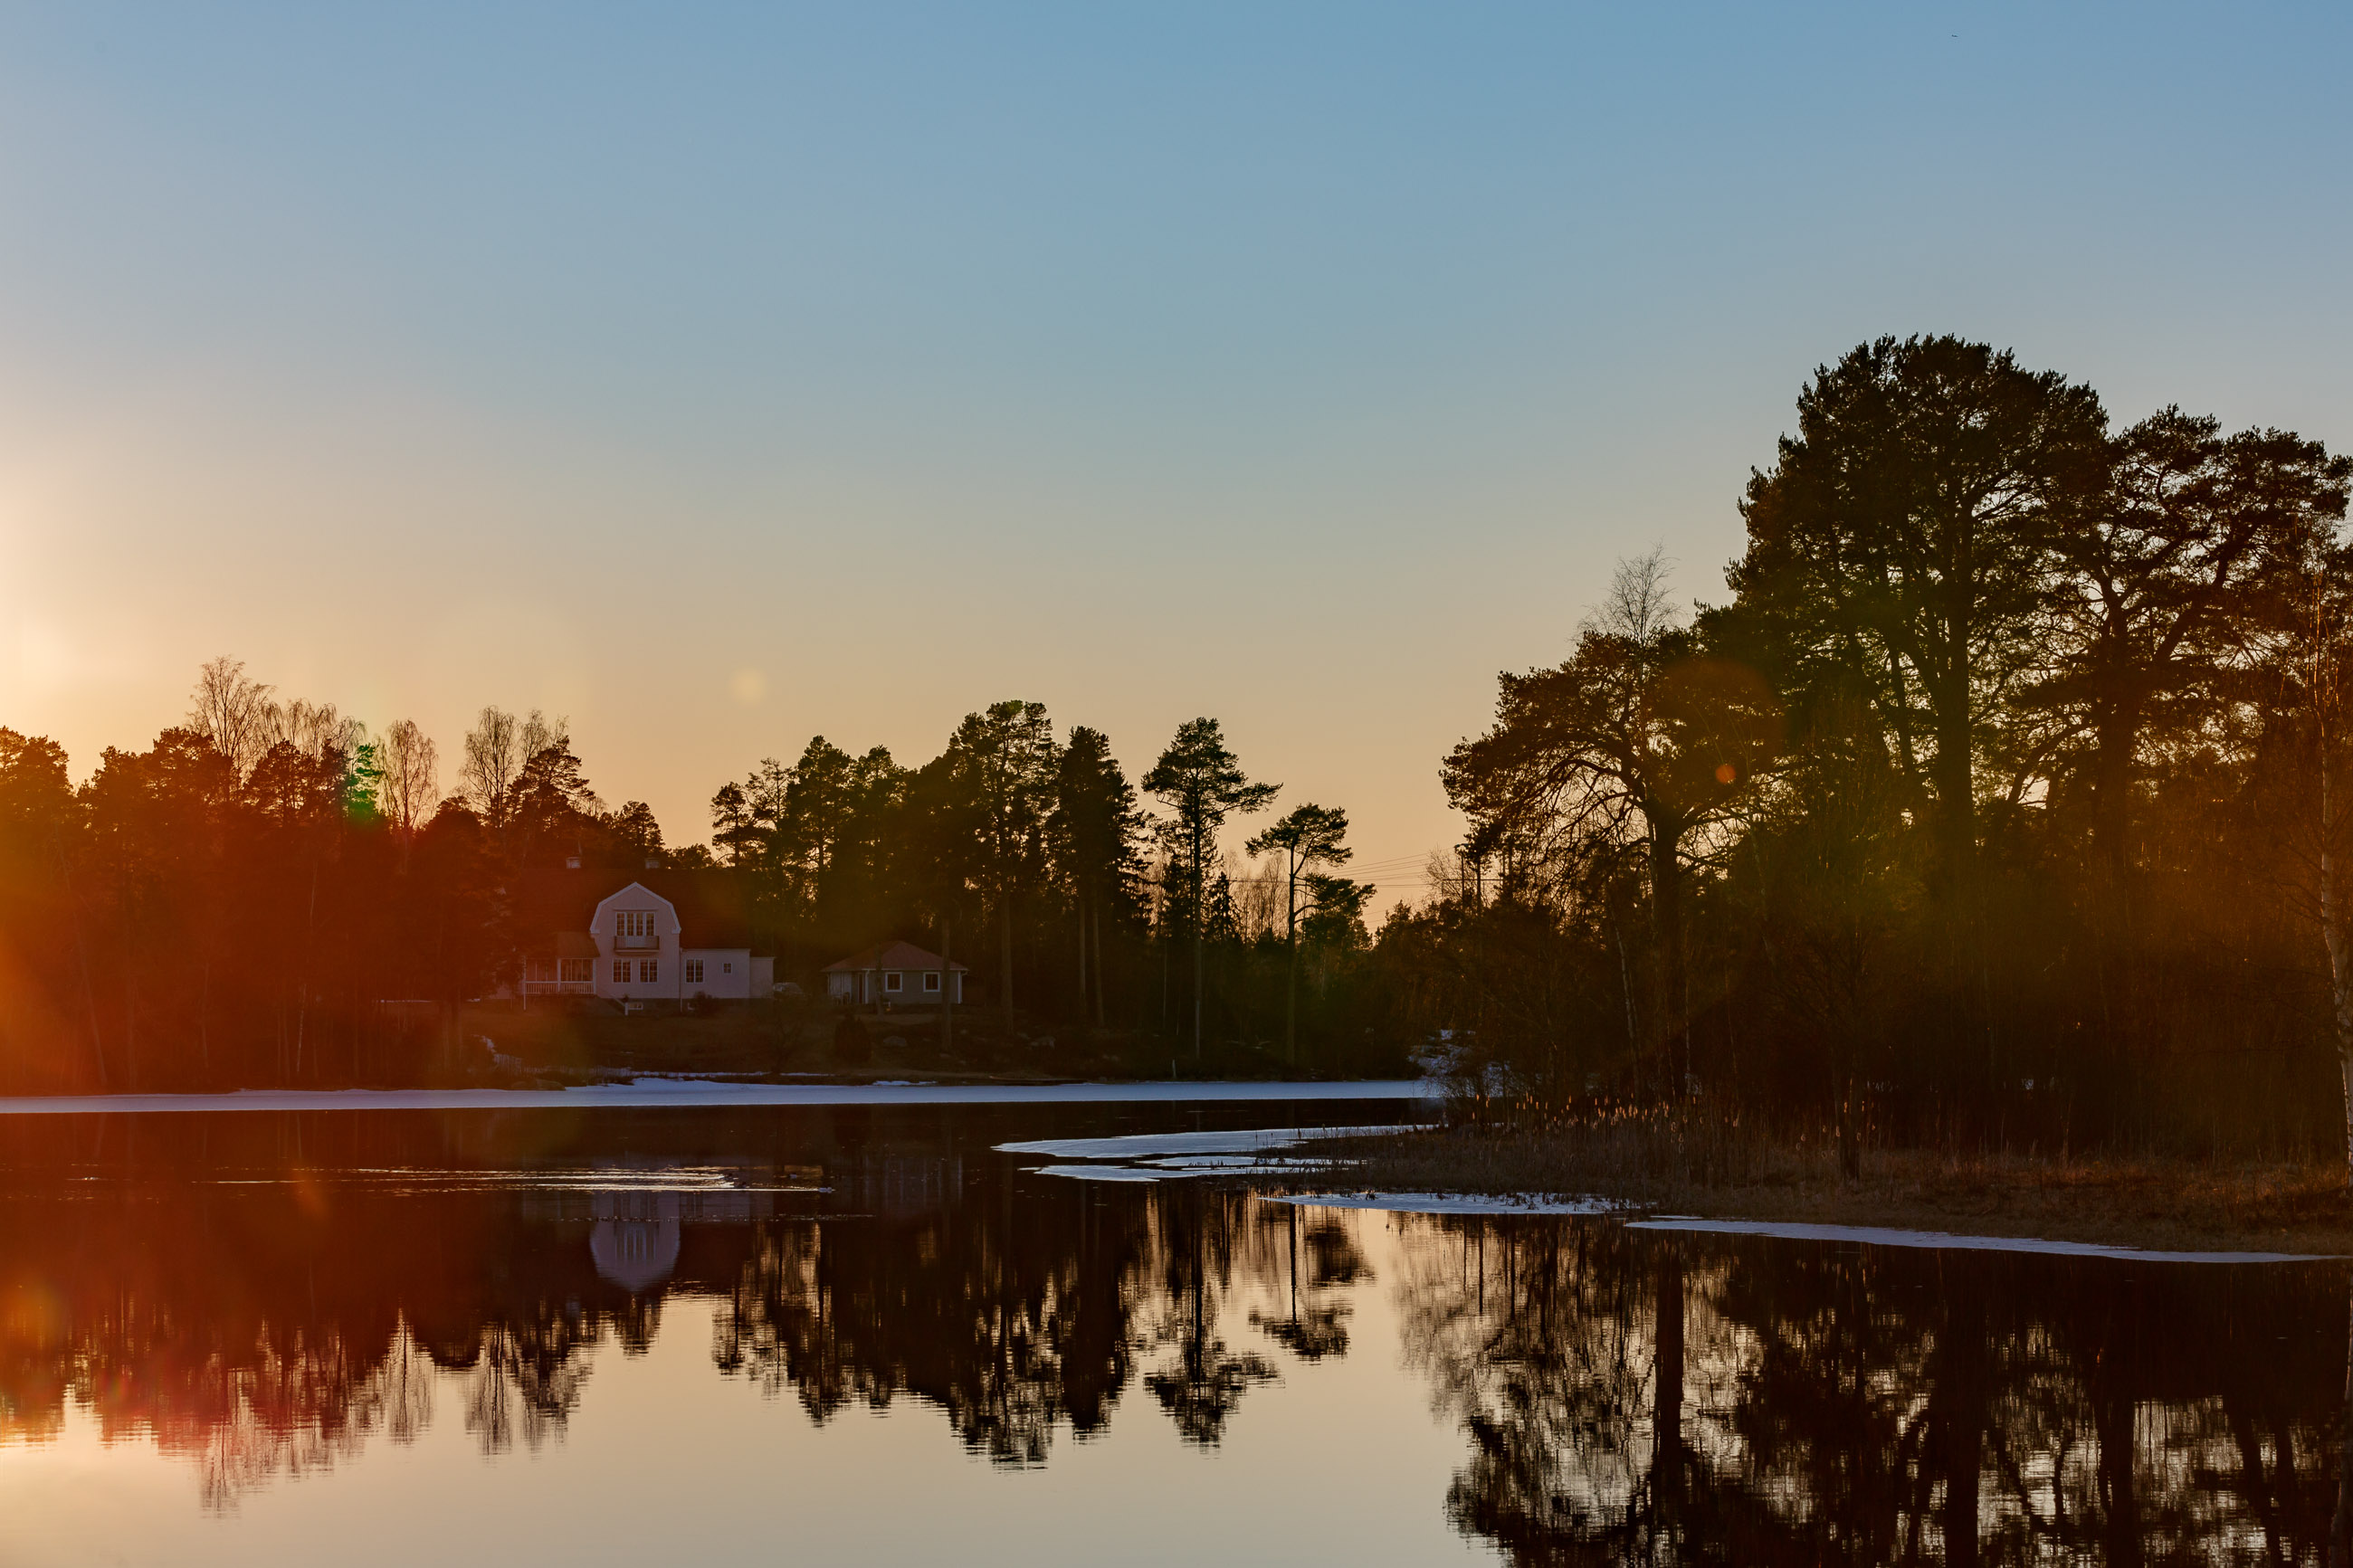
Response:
column 2000, row 801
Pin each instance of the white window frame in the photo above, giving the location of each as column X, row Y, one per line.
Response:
column 695, row 971
column 931, row 982
column 891, row 981
column 620, row 972
column 649, row 971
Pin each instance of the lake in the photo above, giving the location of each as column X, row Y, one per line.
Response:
column 864, row 1333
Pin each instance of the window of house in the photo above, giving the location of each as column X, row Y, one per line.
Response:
column 727, row 966
column 695, row 971
column 576, row 971
column 647, row 971
column 932, row 980
column 620, row 972
column 890, row 980
column 633, row 927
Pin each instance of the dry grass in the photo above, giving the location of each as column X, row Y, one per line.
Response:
column 1723, row 1173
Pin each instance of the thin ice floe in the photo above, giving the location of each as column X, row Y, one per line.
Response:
column 652, row 1092
column 1114, row 1173
column 1149, row 1156
column 1145, row 1145
column 1451, row 1203
column 1878, row 1235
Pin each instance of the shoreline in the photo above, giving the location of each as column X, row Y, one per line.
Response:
column 2276, row 1209
column 670, row 1093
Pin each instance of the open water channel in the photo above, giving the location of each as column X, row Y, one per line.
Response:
column 866, row 1333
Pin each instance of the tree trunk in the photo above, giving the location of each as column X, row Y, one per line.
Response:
column 1667, row 927
column 2338, row 940
column 1291, row 978
column 1094, row 917
column 1200, row 910
column 1005, row 958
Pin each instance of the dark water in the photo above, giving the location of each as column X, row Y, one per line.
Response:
column 649, row 1337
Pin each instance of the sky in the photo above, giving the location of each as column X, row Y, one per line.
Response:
column 717, row 376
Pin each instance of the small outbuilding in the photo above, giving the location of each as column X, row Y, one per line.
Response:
column 898, row 974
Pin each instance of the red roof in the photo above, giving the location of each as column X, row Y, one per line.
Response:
column 890, row 955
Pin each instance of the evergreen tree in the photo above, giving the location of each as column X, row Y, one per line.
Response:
column 1202, row 783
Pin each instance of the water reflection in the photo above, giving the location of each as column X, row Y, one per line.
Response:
column 1638, row 1398
column 267, row 1301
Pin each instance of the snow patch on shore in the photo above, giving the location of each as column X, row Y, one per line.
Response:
column 1880, row 1235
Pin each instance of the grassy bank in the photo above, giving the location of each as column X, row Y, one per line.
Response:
column 579, row 1044
column 1716, row 1173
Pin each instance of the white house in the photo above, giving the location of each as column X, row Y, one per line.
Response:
column 659, row 937
column 897, row 973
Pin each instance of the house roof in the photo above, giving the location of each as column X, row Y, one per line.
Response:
column 892, row 955
column 714, row 908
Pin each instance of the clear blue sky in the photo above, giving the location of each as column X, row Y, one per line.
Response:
column 718, row 375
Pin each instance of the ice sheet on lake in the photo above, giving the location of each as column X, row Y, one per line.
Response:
column 1877, row 1236
column 648, row 1092
column 1114, row 1173
column 1144, row 1145
column 1450, row 1203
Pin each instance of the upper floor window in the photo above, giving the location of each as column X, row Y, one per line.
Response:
column 634, row 928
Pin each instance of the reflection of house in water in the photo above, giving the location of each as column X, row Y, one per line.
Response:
column 635, row 1225
column 635, row 1242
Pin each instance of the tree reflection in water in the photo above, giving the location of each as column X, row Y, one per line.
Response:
column 272, row 1329
column 1624, row 1396
column 1634, row 1398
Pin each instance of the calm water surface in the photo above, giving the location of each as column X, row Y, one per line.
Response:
column 861, row 1335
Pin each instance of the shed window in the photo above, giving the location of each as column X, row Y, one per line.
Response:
column 890, row 980
column 931, row 979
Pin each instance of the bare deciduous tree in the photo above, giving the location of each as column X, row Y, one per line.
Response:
column 233, row 711
column 497, row 749
column 409, row 786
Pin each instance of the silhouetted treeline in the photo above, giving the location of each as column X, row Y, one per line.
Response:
column 1035, row 862
column 2000, row 803
column 270, row 895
